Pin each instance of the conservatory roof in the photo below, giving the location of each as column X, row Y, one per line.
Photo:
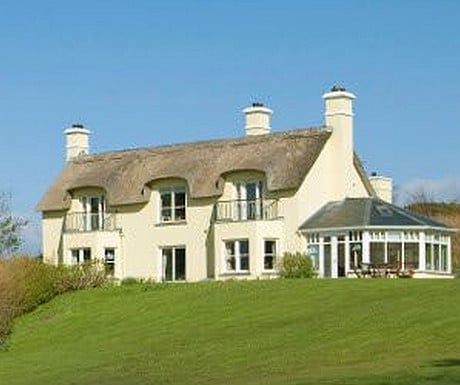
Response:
column 366, row 212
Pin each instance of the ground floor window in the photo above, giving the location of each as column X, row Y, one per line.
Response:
column 377, row 253
column 411, row 255
column 80, row 255
column 327, row 256
column 356, row 255
column 173, row 263
column 269, row 254
column 313, row 253
column 436, row 254
column 237, row 255
column 109, row 261
column 383, row 252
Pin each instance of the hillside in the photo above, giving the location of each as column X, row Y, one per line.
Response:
column 444, row 212
column 263, row 332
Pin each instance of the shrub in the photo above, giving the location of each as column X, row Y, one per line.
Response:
column 76, row 277
column 130, row 281
column 296, row 265
column 26, row 283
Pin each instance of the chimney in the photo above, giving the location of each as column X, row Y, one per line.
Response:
column 77, row 141
column 383, row 187
column 339, row 118
column 257, row 119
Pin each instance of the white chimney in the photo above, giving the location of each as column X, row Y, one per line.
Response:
column 339, row 118
column 383, row 187
column 257, row 119
column 77, row 141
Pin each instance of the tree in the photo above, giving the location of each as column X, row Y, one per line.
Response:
column 10, row 227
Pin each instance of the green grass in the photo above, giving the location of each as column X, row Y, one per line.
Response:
column 265, row 332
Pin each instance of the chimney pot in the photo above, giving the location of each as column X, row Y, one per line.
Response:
column 338, row 88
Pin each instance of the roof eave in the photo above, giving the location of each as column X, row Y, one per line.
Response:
column 354, row 228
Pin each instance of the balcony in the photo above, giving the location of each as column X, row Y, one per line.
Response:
column 246, row 210
column 86, row 222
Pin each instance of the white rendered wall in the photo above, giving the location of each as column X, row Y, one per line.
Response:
column 52, row 228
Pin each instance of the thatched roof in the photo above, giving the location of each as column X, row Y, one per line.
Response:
column 285, row 158
column 366, row 212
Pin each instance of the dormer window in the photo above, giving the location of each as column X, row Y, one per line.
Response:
column 173, row 204
column 250, row 204
column 93, row 212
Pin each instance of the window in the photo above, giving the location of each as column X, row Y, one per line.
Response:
column 444, row 259
column 109, row 261
column 269, row 254
column 250, row 203
column 429, row 256
column 411, row 255
column 356, row 255
column 436, row 264
column 173, row 263
column 81, row 255
column 436, row 252
column 394, row 253
column 313, row 253
column 237, row 256
column 377, row 253
column 93, row 212
column 173, row 203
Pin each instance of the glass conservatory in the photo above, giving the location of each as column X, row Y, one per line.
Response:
column 361, row 237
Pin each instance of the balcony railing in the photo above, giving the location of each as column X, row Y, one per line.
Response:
column 246, row 210
column 82, row 222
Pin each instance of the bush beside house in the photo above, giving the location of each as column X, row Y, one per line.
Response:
column 26, row 283
column 296, row 265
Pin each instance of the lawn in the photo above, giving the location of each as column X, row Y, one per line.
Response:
column 261, row 332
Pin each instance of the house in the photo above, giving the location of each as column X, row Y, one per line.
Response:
column 228, row 209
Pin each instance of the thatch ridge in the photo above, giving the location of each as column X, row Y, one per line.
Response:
column 284, row 157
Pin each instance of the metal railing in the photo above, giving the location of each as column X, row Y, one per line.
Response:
column 246, row 210
column 83, row 222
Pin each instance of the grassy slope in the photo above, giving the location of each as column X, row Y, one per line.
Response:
column 277, row 332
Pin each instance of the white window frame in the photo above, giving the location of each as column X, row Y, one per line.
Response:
column 173, row 259
column 238, row 255
column 172, row 191
column 243, row 205
column 274, row 255
column 88, row 215
column 77, row 255
column 110, row 261
column 435, row 242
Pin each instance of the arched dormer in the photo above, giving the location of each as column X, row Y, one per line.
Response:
column 89, row 211
column 245, row 197
column 170, row 197
column 81, row 198
column 243, row 184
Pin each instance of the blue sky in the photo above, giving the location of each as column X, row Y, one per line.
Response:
column 141, row 73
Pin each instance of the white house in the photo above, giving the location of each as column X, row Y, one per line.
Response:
column 230, row 208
